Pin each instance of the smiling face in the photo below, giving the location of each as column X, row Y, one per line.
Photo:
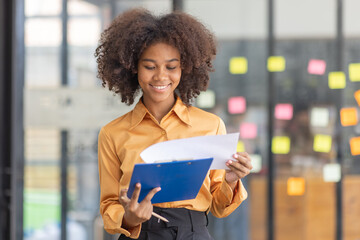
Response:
column 159, row 74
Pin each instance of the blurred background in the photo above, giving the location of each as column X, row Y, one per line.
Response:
column 286, row 77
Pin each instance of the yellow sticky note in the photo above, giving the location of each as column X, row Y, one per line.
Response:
column 354, row 72
column 295, row 186
column 322, row 143
column 276, row 64
column 280, row 145
column 337, row 80
column 238, row 65
column 355, row 146
column 240, row 147
column 348, row 116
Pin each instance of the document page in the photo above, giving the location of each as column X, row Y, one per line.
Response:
column 219, row 147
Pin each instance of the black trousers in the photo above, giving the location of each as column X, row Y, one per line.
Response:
column 183, row 224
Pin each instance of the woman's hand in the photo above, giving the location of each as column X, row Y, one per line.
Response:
column 136, row 213
column 239, row 168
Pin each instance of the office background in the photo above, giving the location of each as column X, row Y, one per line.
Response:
column 286, row 76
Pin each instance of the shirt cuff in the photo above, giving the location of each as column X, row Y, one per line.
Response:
column 113, row 224
column 132, row 232
column 237, row 196
column 227, row 192
column 240, row 193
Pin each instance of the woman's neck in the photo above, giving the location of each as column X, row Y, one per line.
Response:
column 159, row 109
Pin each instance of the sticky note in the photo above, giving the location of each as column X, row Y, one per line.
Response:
column 248, row 130
column 276, row 64
column 354, row 72
column 256, row 162
column 240, row 147
column 238, row 65
column 284, row 111
column 348, row 116
column 316, row 66
column 295, row 186
column 355, row 146
column 319, row 117
column 337, row 80
column 357, row 97
column 322, row 143
column 236, row 105
column 206, row 99
column 280, row 145
column 332, row 172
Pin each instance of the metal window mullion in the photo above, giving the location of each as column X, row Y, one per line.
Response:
column 339, row 104
column 64, row 134
column 271, row 97
column 178, row 5
column 17, row 126
column 6, row 23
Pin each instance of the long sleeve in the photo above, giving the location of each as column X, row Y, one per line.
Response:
column 109, row 175
column 225, row 200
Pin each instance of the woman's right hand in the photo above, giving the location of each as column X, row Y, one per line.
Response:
column 135, row 212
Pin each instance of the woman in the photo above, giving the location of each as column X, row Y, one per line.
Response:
column 168, row 60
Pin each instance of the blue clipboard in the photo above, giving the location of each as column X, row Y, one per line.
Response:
column 179, row 180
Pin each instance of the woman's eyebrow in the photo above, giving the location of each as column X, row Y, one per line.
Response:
column 152, row 60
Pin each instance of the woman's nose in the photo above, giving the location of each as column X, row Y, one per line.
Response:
column 161, row 74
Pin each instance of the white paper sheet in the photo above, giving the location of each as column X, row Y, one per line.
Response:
column 219, row 147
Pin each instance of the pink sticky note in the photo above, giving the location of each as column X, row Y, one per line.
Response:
column 248, row 130
column 284, row 111
column 236, row 105
column 316, row 66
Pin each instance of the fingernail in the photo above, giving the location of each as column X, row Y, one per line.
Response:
column 138, row 184
column 236, row 155
column 230, row 162
column 159, row 188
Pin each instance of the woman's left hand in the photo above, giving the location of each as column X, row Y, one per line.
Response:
column 238, row 168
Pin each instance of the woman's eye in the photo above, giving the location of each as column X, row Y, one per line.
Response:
column 149, row 68
column 171, row 68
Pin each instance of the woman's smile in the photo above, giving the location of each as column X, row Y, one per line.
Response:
column 159, row 74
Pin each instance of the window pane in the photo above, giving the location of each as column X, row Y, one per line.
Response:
column 304, row 201
column 42, row 7
column 240, row 28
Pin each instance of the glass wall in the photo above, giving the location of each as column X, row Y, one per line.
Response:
column 42, row 152
column 314, row 146
column 305, row 195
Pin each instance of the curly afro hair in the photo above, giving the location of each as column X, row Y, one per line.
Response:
column 122, row 44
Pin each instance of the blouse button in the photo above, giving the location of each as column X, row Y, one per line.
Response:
column 163, row 132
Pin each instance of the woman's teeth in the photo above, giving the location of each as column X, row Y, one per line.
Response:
column 159, row 87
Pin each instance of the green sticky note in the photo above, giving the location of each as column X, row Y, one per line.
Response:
column 322, row 143
column 337, row 80
column 206, row 99
column 280, row 145
column 332, row 172
column 319, row 117
column 256, row 162
column 276, row 64
column 238, row 65
column 354, row 72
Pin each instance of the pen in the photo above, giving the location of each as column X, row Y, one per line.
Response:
column 159, row 217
